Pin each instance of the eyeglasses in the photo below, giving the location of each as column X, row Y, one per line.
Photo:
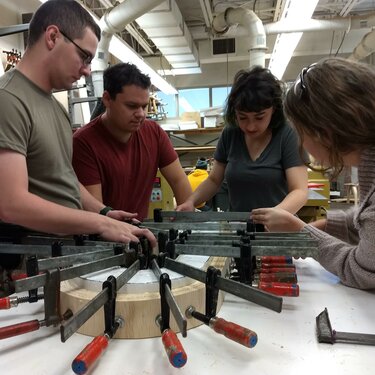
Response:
column 301, row 80
column 85, row 56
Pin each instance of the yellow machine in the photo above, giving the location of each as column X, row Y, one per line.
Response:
column 161, row 196
column 318, row 200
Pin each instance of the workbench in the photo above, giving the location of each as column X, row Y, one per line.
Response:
column 287, row 343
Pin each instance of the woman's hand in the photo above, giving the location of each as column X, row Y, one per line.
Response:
column 276, row 220
column 186, row 206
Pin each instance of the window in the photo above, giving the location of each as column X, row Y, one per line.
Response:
column 193, row 100
column 169, row 104
column 219, row 96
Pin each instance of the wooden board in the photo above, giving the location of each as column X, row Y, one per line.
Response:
column 139, row 310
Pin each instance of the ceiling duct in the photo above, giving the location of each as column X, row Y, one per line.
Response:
column 254, row 27
column 112, row 22
column 165, row 26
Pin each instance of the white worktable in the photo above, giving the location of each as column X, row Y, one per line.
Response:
column 287, row 343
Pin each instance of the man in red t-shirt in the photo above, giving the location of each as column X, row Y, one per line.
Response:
column 116, row 156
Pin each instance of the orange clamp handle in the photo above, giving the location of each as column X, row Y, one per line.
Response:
column 5, row 303
column 280, row 289
column 175, row 351
column 19, row 329
column 89, row 354
column 235, row 332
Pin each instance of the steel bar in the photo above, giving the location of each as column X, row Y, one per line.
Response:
column 46, row 250
column 354, row 338
column 69, row 273
column 240, row 290
column 236, row 242
column 179, row 317
column 69, row 260
column 235, row 252
column 205, row 216
column 217, row 227
column 78, row 319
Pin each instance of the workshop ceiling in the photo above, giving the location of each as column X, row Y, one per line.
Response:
column 192, row 17
column 195, row 16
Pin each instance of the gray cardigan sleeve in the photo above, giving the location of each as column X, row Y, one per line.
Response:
column 353, row 261
column 340, row 224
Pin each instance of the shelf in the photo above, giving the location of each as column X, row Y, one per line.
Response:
column 196, row 131
column 195, row 149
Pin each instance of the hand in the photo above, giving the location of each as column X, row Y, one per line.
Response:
column 276, row 220
column 186, row 206
column 119, row 231
column 123, row 216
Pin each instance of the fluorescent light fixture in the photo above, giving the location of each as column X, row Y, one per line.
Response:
column 294, row 12
column 179, row 71
column 124, row 53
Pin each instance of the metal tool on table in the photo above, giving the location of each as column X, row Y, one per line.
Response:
column 232, row 331
column 173, row 347
column 326, row 334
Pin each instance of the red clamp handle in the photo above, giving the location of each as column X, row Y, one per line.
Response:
column 5, row 303
column 19, row 329
column 284, row 277
column 176, row 353
column 280, row 289
column 276, row 269
column 89, row 355
column 235, row 332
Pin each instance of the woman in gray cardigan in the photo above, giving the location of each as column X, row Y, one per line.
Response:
column 332, row 107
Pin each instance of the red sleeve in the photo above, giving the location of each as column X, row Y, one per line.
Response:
column 167, row 153
column 84, row 160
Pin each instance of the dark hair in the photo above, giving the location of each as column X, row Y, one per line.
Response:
column 67, row 15
column 254, row 90
column 334, row 104
column 123, row 74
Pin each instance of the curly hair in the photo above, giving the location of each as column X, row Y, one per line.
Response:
column 333, row 102
column 254, row 90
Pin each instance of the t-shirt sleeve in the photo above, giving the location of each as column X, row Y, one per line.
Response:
column 84, row 162
column 291, row 156
column 167, row 153
column 15, row 124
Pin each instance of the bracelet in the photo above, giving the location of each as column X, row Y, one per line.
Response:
column 105, row 210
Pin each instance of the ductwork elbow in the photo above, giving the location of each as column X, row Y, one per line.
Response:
column 254, row 26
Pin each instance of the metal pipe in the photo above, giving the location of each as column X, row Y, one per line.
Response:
column 254, row 26
column 111, row 23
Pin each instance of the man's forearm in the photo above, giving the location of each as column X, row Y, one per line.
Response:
column 89, row 202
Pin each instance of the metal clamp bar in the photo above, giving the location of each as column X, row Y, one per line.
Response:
column 179, row 317
column 70, row 273
column 205, row 216
column 78, row 319
column 240, row 290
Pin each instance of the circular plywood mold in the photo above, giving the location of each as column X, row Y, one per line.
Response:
column 138, row 301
